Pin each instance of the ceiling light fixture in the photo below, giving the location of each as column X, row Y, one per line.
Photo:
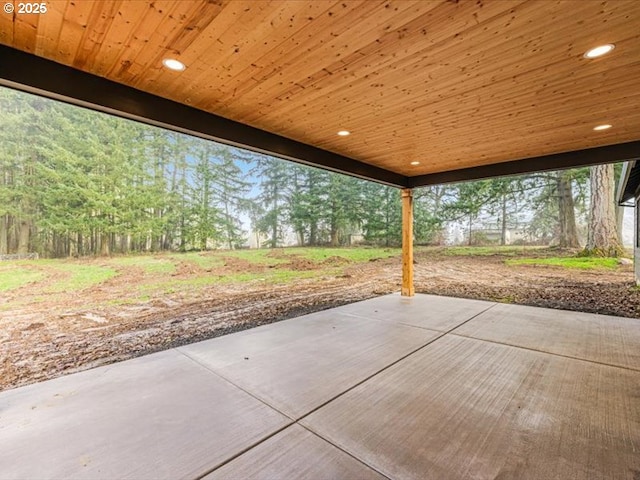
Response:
column 415, row 163
column 599, row 51
column 344, row 133
column 173, row 64
column 602, row 127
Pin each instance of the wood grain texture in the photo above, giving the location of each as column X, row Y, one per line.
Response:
column 296, row 366
column 599, row 338
column 408, row 289
column 161, row 416
column 294, row 453
column 432, row 312
column 450, row 84
column 468, row 409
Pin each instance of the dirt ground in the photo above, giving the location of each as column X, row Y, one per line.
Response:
column 53, row 338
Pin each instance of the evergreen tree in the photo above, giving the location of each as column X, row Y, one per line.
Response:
column 78, row 182
column 274, row 178
column 603, row 238
column 229, row 189
column 382, row 215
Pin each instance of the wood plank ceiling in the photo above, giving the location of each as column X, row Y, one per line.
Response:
column 449, row 84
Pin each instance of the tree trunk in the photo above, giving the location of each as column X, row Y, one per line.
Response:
column 183, row 232
column 335, row 237
column 274, row 221
column 387, row 223
column 503, row 233
column 93, row 242
column 104, row 245
column 4, row 231
column 274, row 233
column 203, row 242
column 80, row 244
column 23, row 237
column 183, row 238
column 205, row 212
column 228, row 221
column 156, row 236
column 603, row 232
column 439, row 238
column 333, row 227
column 568, row 234
column 313, row 234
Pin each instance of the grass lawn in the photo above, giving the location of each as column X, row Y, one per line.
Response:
column 158, row 274
column 358, row 254
column 582, row 263
column 15, row 277
column 257, row 256
column 149, row 264
column 204, row 260
column 80, row 277
column 507, row 250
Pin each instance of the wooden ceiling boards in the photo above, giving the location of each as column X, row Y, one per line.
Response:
column 454, row 85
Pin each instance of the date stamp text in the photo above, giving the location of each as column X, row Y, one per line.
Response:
column 26, row 8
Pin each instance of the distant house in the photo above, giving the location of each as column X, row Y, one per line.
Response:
column 494, row 235
column 629, row 195
column 258, row 239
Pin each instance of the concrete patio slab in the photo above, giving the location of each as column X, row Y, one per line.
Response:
column 465, row 408
column 382, row 400
column 296, row 366
column 161, row 416
column 295, row 453
column 599, row 338
column 426, row 311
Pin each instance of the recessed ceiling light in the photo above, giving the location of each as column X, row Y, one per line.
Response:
column 602, row 127
column 599, row 51
column 173, row 64
column 415, row 163
column 344, row 133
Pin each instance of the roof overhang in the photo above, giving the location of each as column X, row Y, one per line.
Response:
column 591, row 156
column 433, row 92
column 27, row 72
column 629, row 183
column 23, row 71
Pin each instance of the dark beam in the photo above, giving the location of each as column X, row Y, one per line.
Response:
column 24, row 71
column 621, row 152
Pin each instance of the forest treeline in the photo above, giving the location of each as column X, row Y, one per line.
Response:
column 78, row 182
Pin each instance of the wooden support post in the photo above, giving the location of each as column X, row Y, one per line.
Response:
column 407, row 243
